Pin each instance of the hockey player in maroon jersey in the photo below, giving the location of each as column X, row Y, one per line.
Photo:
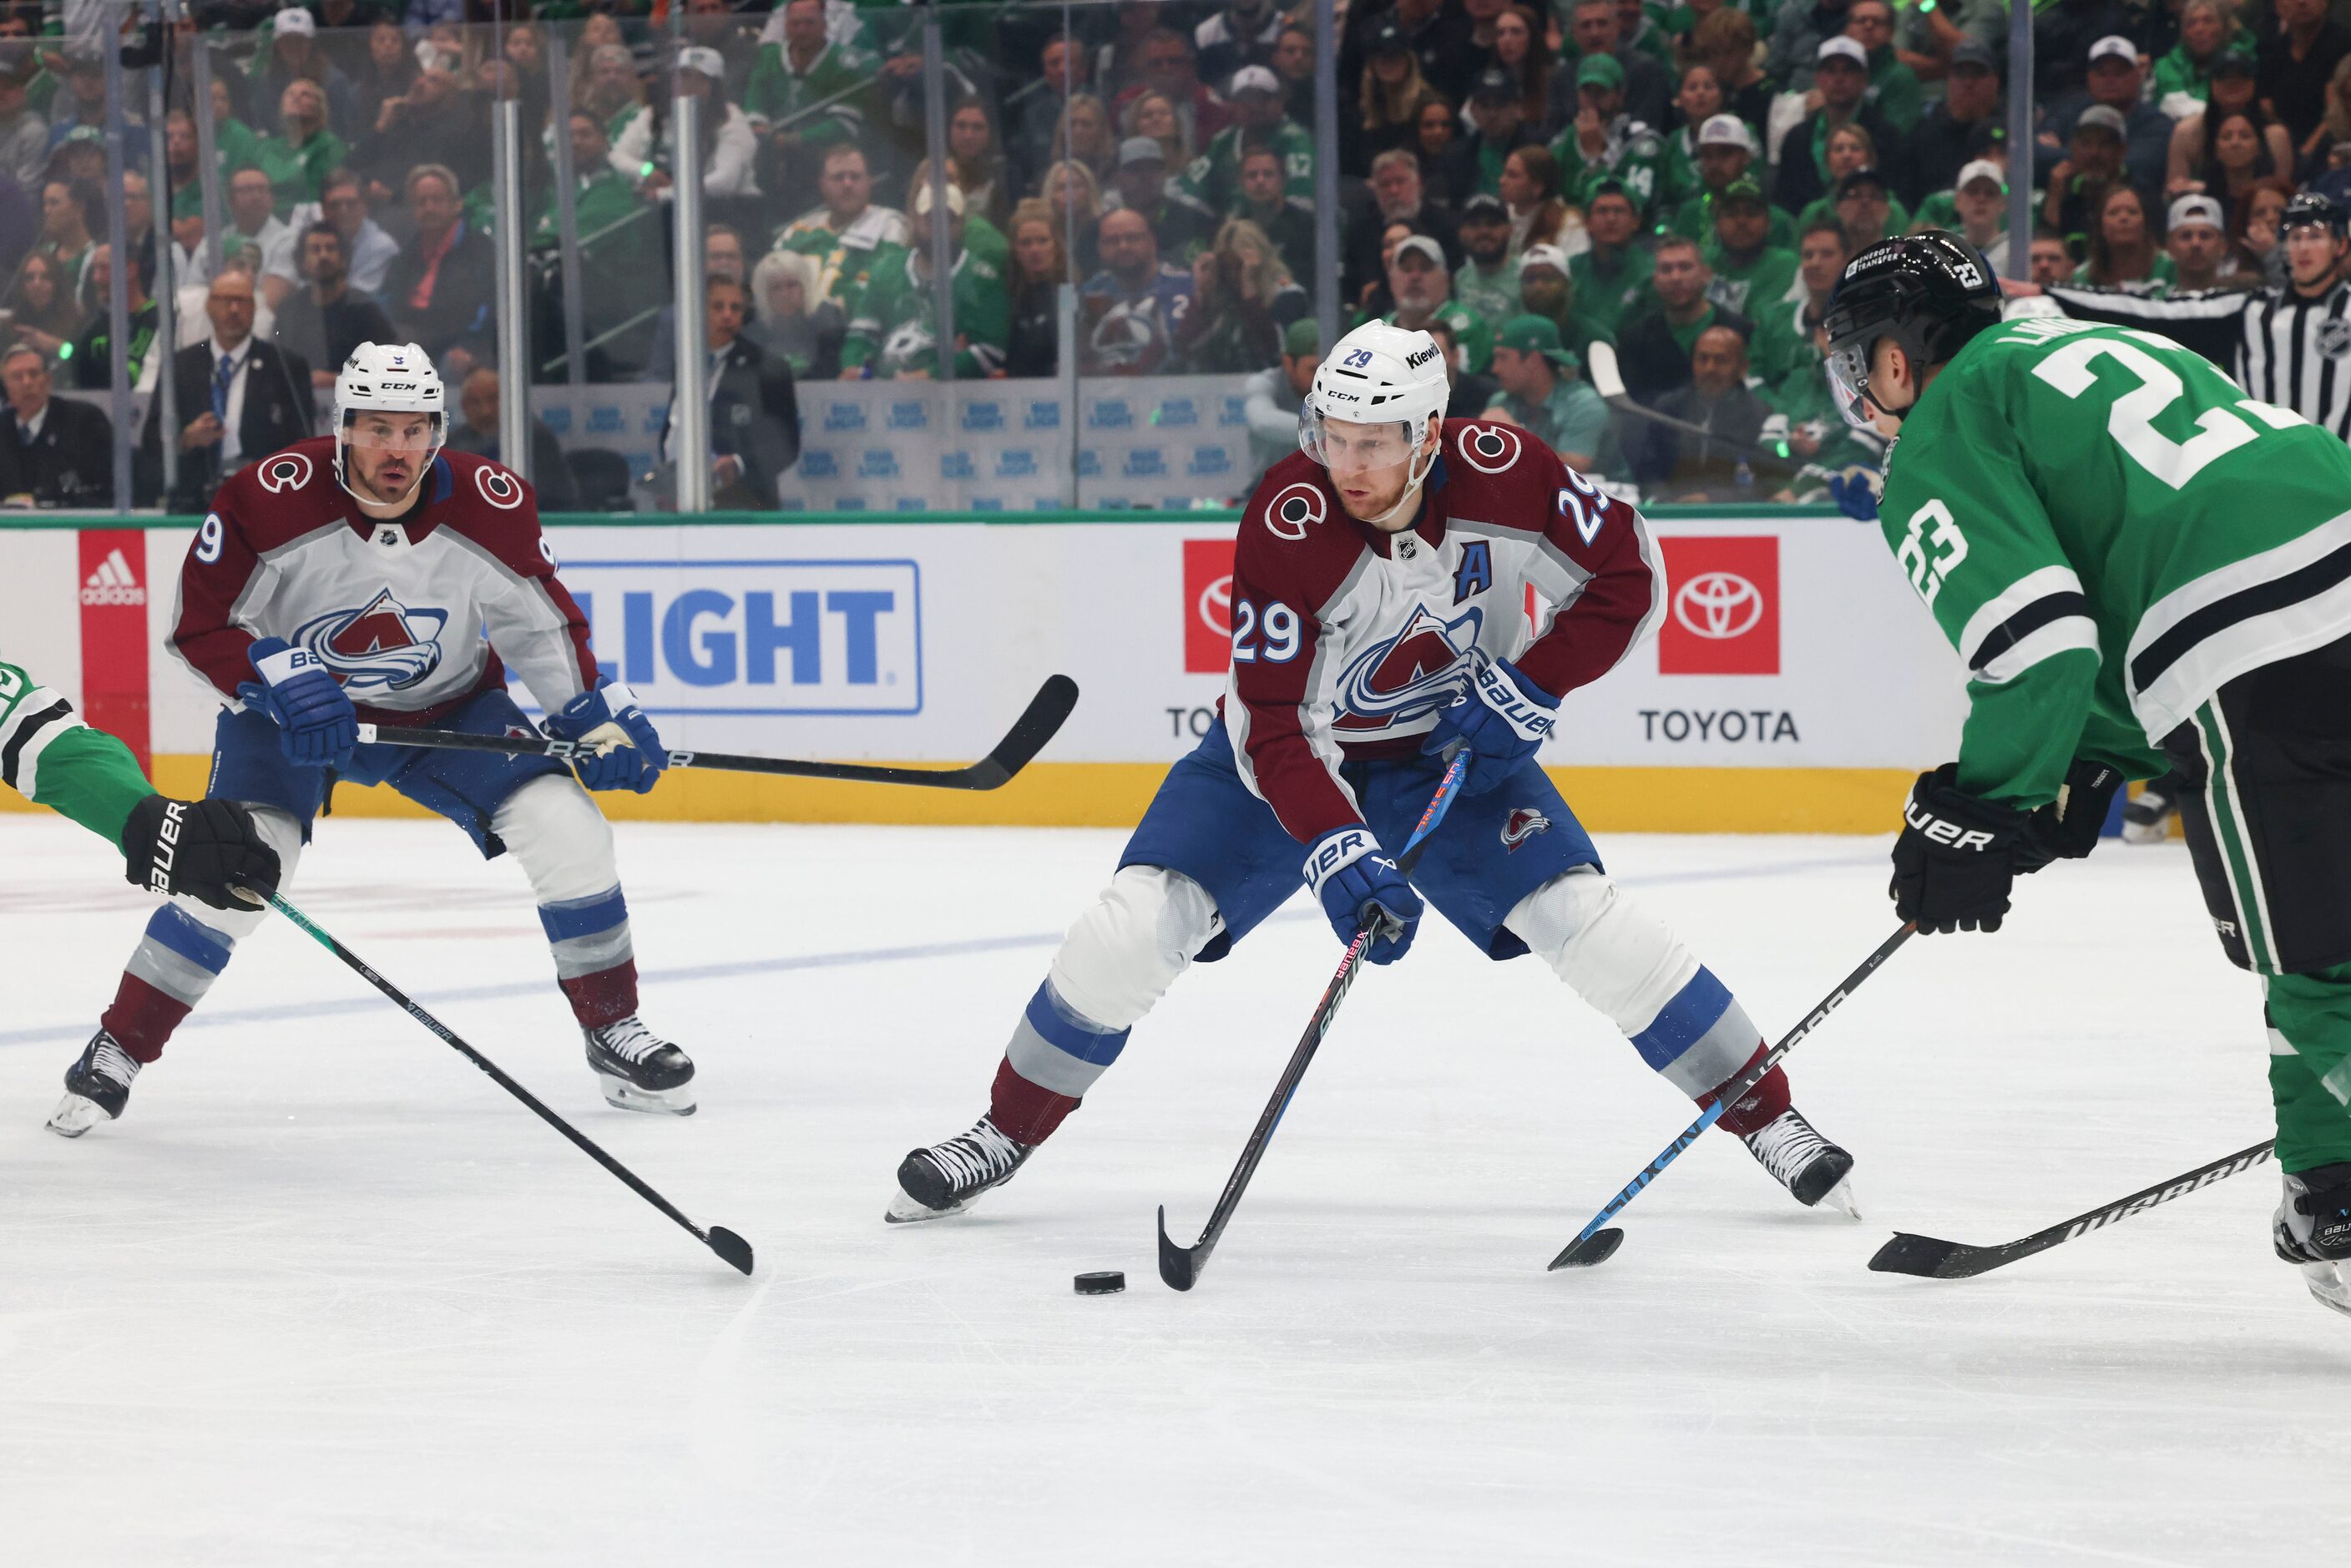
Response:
column 308, row 614
column 1377, row 616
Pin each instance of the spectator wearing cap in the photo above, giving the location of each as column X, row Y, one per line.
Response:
column 1499, row 127
column 2094, row 161
column 2233, row 89
column 1596, row 28
column 1841, row 80
column 2114, row 81
column 1970, row 103
column 2297, row 61
column 848, row 236
column 1866, row 209
column 2207, row 30
column 1214, row 179
column 1749, row 271
column 1423, row 291
column 1243, row 33
column 1682, row 466
column 1699, row 100
column 291, row 53
column 1436, row 33
column 1139, row 186
column 24, row 131
column 1542, row 392
column 1265, row 201
column 1976, row 208
column 1612, row 278
column 1796, row 34
column 438, row 293
column 1655, row 347
column 1604, row 142
column 1725, row 156
column 894, row 329
column 1397, row 197
column 1487, row 282
column 2196, row 238
column 1127, row 313
column 1271, row 398
column 2061, row 36
column 1893, row 86
column 1547, row 289
column 1392, row 97
column 729, row 150
column 1851, row 148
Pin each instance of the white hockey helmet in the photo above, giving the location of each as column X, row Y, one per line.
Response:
column 391, row 378
column 1377, row 374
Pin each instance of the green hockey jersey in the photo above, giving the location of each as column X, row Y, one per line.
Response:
column 2107, row 530
column 57, row 761
column 895, row 327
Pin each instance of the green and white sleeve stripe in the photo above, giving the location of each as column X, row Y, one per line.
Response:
column 49, row 756
column 2039, row 615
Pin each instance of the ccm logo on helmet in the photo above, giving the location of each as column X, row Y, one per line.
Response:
column 287, row 471
column 1943, row 832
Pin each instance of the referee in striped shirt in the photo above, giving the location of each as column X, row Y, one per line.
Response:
column 2290, row 347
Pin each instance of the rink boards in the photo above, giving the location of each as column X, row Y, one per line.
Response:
column 1795, row 684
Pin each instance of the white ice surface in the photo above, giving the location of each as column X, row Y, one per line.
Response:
column 327, row 1295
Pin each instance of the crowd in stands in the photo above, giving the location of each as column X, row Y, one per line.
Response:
column 1681, row 182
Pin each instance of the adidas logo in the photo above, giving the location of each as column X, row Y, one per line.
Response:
column 114, row 583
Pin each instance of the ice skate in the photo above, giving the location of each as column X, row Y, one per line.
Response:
column 1800, row 1159
column 947, row 1177
column 2311, row 1230
column 2146, row 817
column 98, row 1087
column 639, row 1070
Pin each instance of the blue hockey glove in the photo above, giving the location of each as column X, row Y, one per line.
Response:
column 1356, row 880
column 316, row 725
column 610, row 714
column 1502, row 717
column 1855, row 493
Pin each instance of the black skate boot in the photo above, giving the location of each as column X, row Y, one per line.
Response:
column 2311, row 1230
column 2146, row 816
column 97, row 1086
column 1800, row 1159
column 945, row 1178
column 640, row 1070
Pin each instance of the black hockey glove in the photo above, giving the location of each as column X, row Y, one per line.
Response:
column 2068, row 826
column 201, row 848
column 1956, row 858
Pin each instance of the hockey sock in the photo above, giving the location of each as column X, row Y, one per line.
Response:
column 178, row 958
column 1024, row 1112
column 606, row 995
column 141, row 1018
column 2309, row 1019
column 1759, row 1106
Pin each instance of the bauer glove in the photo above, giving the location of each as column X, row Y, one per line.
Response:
column 629, row 755
column 2068, row 826
column 205, row 849
column 1957, row 857
column 1502, row 716
column 1359, row 886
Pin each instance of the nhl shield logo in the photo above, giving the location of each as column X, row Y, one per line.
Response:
column 1523, row 823
column 2335, row 338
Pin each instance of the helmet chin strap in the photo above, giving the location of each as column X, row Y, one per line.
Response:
column 407, row 497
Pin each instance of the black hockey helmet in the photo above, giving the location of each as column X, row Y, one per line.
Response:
column 2310, row 207
column 1930, row 292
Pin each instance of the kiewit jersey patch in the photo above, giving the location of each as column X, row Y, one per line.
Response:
column 413, row 617
column 1347, row 642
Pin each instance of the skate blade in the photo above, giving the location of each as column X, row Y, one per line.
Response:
column 1842, row 1197
column 2135, row 834
column 904, row 1210
column 2328, row 1286
column 76, row 1115
column 624, row 1095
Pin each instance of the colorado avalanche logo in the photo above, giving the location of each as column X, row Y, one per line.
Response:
column 1490, row 448
column 498, row 487
column 1297, row 508
column 386, row 644
column 1410, row 678
column 1523, row 823
column 286, row 471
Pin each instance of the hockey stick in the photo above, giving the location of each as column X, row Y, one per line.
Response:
column 718, row 1238
column 1608, row 380
column 1181, row 1266
column 1933, row 1259
column 1595, row 1245
column 1021, row 743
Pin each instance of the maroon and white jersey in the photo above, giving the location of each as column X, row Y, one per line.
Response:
column 1347, row 642
column 397, row 611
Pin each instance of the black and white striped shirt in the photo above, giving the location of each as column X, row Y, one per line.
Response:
column 2282, row 347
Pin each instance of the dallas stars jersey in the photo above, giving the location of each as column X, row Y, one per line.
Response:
column 57, row 761
column 2107, row 529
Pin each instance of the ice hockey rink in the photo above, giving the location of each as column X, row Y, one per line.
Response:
column 327, row 1295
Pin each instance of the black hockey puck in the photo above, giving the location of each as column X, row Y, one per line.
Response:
column 1109, row 1282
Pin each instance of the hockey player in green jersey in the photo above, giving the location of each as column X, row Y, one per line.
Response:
column 200, row 848
column 2141, row 568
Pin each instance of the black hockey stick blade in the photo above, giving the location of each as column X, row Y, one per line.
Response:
column 1053, row 703
column 1929, row 1257
column 730, row 1247
column 1179, row 1265
column 1597, row 1247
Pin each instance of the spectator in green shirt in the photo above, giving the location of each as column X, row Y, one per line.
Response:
column 1612, row 278
column 300, row 156
column 2183, row 79
column 1546, row 288
column 1893, row 86
column 1487, row 282
column 1726, row 153
column 1749, row 271
column 1544, row 393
